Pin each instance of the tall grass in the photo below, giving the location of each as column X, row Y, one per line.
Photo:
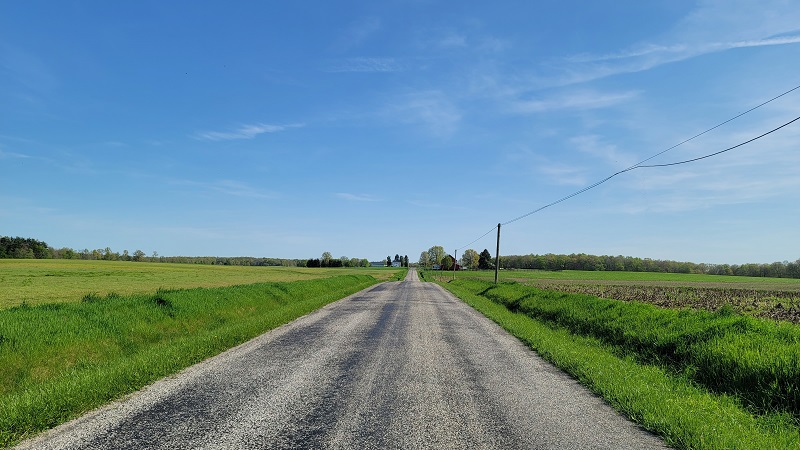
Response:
column 59, row 360
column 668, row 403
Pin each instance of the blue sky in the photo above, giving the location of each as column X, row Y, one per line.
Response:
column 365, row 129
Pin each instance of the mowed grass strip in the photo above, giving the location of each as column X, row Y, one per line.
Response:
column 672, row 404
column 60, row 360
column 38, row 281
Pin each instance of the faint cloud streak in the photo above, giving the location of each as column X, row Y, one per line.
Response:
column 244, row 132
column 433, row 109
column 357, row 197
column 574, row 100
column 365, row 65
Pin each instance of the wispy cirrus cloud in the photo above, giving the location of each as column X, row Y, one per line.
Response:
column 244, row 132
column 365, row 65
column 12, row 155
column 580, row 100
column 357, row 33
column 712, row 26
column 434, row 109
column 593, row 144
column 357, row 197
column 228, row 187
column 26, row 70
column 661, row 54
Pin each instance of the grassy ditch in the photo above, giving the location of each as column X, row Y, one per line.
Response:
column 59, row 360
column 700, row 379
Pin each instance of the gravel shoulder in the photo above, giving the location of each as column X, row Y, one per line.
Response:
column 398, row 365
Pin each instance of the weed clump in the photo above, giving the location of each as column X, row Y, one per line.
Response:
column 91, row 297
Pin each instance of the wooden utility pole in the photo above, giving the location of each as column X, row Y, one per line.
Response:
column 455, row 258
column 497, row 255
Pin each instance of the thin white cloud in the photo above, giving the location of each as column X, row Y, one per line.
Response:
column 357, row 197
column 26, row 69
column 357, row 33
column 582, row 100
column 229, row 187
column 593, row 144
column 452, row 39
column 239, row 189
column 531, row 163
column 244, row 132
column 433, row 109
column 12, row 155
column 713, row 26
column 563, row 174
column 662, row 54
column 366, row 65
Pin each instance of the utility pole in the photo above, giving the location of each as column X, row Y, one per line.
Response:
column 455, row 258
column 497, row 255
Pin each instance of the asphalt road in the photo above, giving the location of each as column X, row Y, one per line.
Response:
column 398, row 365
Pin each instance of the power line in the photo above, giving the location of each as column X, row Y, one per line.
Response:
column 640, row 166
column 641, row 163
column 722, row 151
column 476, row 240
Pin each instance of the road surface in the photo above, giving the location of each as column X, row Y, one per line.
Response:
column 398, row 365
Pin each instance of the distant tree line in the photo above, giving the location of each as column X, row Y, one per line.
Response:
column 472, row 260
column 583, row 261
column 328, row 260
column 23, row 248
column 26, row 248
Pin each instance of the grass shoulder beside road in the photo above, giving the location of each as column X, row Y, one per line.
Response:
column 700, row 379
column 59, row 360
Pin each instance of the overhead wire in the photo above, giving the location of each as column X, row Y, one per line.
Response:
column 642, row 165
column 478, row 239
column 721, row 151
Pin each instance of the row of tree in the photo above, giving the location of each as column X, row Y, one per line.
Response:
column 472, row 260
column 26, row 248
column 23, row 248
column 328, row 260
column 436, row 257
column 582, row 261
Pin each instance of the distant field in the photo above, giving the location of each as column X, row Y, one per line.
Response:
column 51, row 281
column 772, row 298
column 688, row 279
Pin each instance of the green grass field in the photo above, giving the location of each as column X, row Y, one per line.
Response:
column 39, row 281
